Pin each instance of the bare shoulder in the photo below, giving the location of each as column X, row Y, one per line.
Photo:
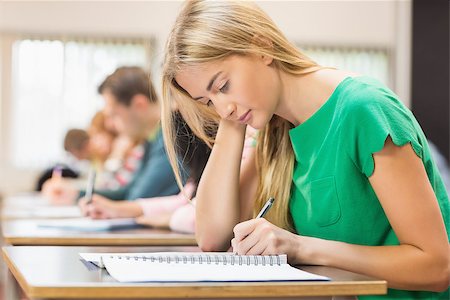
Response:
column 333, row 76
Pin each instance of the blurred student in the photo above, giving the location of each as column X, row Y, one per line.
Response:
column 76, row 142
column 101, row 139
column 130, row 98
column 174, row 212
column 116, row 155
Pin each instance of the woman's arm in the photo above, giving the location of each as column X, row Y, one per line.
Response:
column 218, row 203
column 420, row 262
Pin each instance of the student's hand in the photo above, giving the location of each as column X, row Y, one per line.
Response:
column 260, row 237
column 60, row 191
column 104, row 208
column 99, row 208
column 159, row 221
column 232, row 129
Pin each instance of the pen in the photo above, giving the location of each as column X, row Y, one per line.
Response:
column 265, row 208
column 57, row 172
column 90, row 186
column 263, row 211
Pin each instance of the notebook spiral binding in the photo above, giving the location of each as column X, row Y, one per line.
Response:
column 217, row 259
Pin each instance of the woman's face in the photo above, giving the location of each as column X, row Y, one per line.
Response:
column 244, row 89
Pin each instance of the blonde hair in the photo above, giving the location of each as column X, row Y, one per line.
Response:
column 207, row 31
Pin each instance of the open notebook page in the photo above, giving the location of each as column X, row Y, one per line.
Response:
column 197, row 266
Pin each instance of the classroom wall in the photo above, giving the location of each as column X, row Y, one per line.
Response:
column 350, row 23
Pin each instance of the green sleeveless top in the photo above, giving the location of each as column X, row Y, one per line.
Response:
column 331, row 196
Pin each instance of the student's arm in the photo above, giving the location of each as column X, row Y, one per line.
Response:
column 103, row 208
column 420, row 262
column 152, row 207
column 183, row 219
column 174, row 213
column 220, row 203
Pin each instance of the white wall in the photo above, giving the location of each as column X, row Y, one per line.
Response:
column 357, row 23
column 319, row 22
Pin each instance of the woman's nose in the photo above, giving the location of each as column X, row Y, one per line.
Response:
column 225, row 109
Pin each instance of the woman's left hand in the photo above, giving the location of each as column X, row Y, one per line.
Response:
column 260, row 237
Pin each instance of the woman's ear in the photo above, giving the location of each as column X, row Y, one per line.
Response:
column 267, row 59
column 263, row 42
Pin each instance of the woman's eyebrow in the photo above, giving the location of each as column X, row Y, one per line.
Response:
column 208, row 88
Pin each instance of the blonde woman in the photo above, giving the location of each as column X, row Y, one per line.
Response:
column 346, row 161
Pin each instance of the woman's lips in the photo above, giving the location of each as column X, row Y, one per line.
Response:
column 244, row 117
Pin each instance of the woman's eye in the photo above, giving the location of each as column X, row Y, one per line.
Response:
column 225, row 87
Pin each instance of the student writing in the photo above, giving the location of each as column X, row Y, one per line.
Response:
column 346, row 161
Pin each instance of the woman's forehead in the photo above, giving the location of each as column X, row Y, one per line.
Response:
column 193, row 77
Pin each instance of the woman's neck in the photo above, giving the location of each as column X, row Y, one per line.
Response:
column 302, row 95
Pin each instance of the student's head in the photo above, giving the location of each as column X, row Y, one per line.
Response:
column 76, row 142
column 102, row 135
column 130, row 100
column 240, row 43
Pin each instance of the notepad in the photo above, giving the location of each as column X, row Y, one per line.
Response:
column 197, row 266
column 88, row 224
column 43, row 212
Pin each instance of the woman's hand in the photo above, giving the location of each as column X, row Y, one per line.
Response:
column 103, row 208
column 260, row 237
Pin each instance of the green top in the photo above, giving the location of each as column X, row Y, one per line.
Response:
column 331, row 194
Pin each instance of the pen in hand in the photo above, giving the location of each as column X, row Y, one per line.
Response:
column 265, row 208
column 262, row 212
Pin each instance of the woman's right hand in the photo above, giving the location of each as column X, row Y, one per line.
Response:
column 104, row 208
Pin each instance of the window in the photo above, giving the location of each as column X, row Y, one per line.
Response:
column 370, row 62
column 55, row 88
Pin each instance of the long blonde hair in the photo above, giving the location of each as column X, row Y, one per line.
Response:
column 207, row 31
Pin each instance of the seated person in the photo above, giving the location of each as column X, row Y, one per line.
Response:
column 117, row 155
column 130, row 98
column 48, row 173
column 174, row 212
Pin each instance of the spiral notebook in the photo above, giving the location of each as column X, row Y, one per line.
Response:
column 197, row 266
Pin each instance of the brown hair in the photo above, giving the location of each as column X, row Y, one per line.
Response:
column 126, row 82
column 75, row 139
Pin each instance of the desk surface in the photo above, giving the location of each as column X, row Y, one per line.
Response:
column 26, row 232
column 58, row 272
column 35, row 206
